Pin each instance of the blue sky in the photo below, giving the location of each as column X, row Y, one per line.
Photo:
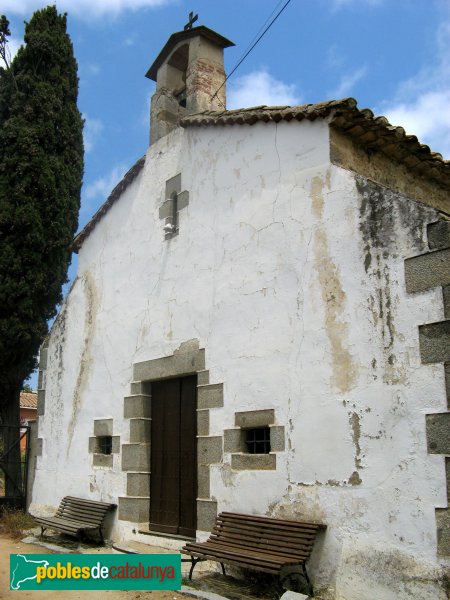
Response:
column 391, row 55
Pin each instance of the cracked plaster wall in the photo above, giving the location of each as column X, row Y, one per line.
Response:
column 289, row 271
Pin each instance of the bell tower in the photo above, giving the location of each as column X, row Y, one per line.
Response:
column 188, row 72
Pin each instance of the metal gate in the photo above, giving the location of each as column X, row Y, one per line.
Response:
column 14, row 454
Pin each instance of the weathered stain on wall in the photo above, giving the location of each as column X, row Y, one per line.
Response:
column 383, row 214
column 333, row 295
column 56, row 376
column 355, row 424
column 394, row 573
column 377, row 227
column 90, row 314
column 298, row 501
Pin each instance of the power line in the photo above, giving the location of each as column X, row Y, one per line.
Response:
column 252, row 46
column 263, row 25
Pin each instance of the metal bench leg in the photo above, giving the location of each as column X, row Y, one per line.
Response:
column 42, row 531
column 308, row 581
column 194, row 561
column 223, row 568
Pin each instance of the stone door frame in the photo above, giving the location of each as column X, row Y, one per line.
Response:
column 188, row 359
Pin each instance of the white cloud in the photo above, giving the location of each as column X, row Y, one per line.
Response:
column 92, row 130
column 427, row 117
column 93, row 68
column 130, row 40
column 103, row 186
column 348, row 82
column 335, row 58
column 81, row 8
column 259, row 87
column 422, row 103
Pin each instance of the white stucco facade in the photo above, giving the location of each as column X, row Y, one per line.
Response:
column 289, row 272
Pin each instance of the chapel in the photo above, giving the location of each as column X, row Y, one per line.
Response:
column 260, row 324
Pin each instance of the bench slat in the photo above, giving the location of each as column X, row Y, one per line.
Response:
column 238, row 563
column 77, row 514
column 249, row 550
column 270, row 529
column 59, row 523
column 80, row 509
column 277, row 548
column 86, row 506
column 258, row 533
column 261, row 534
column 246, row 559
column 79, row 520
column 80, row 514
column 93, row 510
column 266, row 559
column 270, row 520
column 92, row 502
column 259, row 549
column 61, row 527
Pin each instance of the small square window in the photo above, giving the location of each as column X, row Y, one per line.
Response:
column 257, row 440
column 104, row 444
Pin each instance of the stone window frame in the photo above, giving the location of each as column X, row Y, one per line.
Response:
column 175, row 201
column 103, row 428
column 235, row 444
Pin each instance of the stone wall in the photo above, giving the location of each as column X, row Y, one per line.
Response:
column 423, row 272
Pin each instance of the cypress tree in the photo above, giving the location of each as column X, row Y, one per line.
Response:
column 41, row 167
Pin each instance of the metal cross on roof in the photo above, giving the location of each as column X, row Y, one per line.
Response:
column 192, row 19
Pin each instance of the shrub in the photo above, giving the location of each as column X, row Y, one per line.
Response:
column 14, row 522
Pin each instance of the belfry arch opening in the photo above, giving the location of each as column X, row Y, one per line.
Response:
column 178, row 63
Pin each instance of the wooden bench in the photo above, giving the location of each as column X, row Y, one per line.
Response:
column 76, row 516
column 257, row 543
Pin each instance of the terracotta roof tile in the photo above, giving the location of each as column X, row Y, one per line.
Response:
column 28, row 400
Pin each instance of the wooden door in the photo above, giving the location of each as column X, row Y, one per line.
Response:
column 173, row 478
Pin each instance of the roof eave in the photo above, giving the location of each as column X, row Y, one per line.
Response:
column 180, row 36
column 114, row 195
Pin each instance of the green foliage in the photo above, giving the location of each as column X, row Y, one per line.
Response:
column 4, row 34
column 41, row 166
column 4, row 28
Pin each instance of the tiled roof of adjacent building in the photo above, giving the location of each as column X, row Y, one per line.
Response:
column 28, row 400
column 371, row 132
